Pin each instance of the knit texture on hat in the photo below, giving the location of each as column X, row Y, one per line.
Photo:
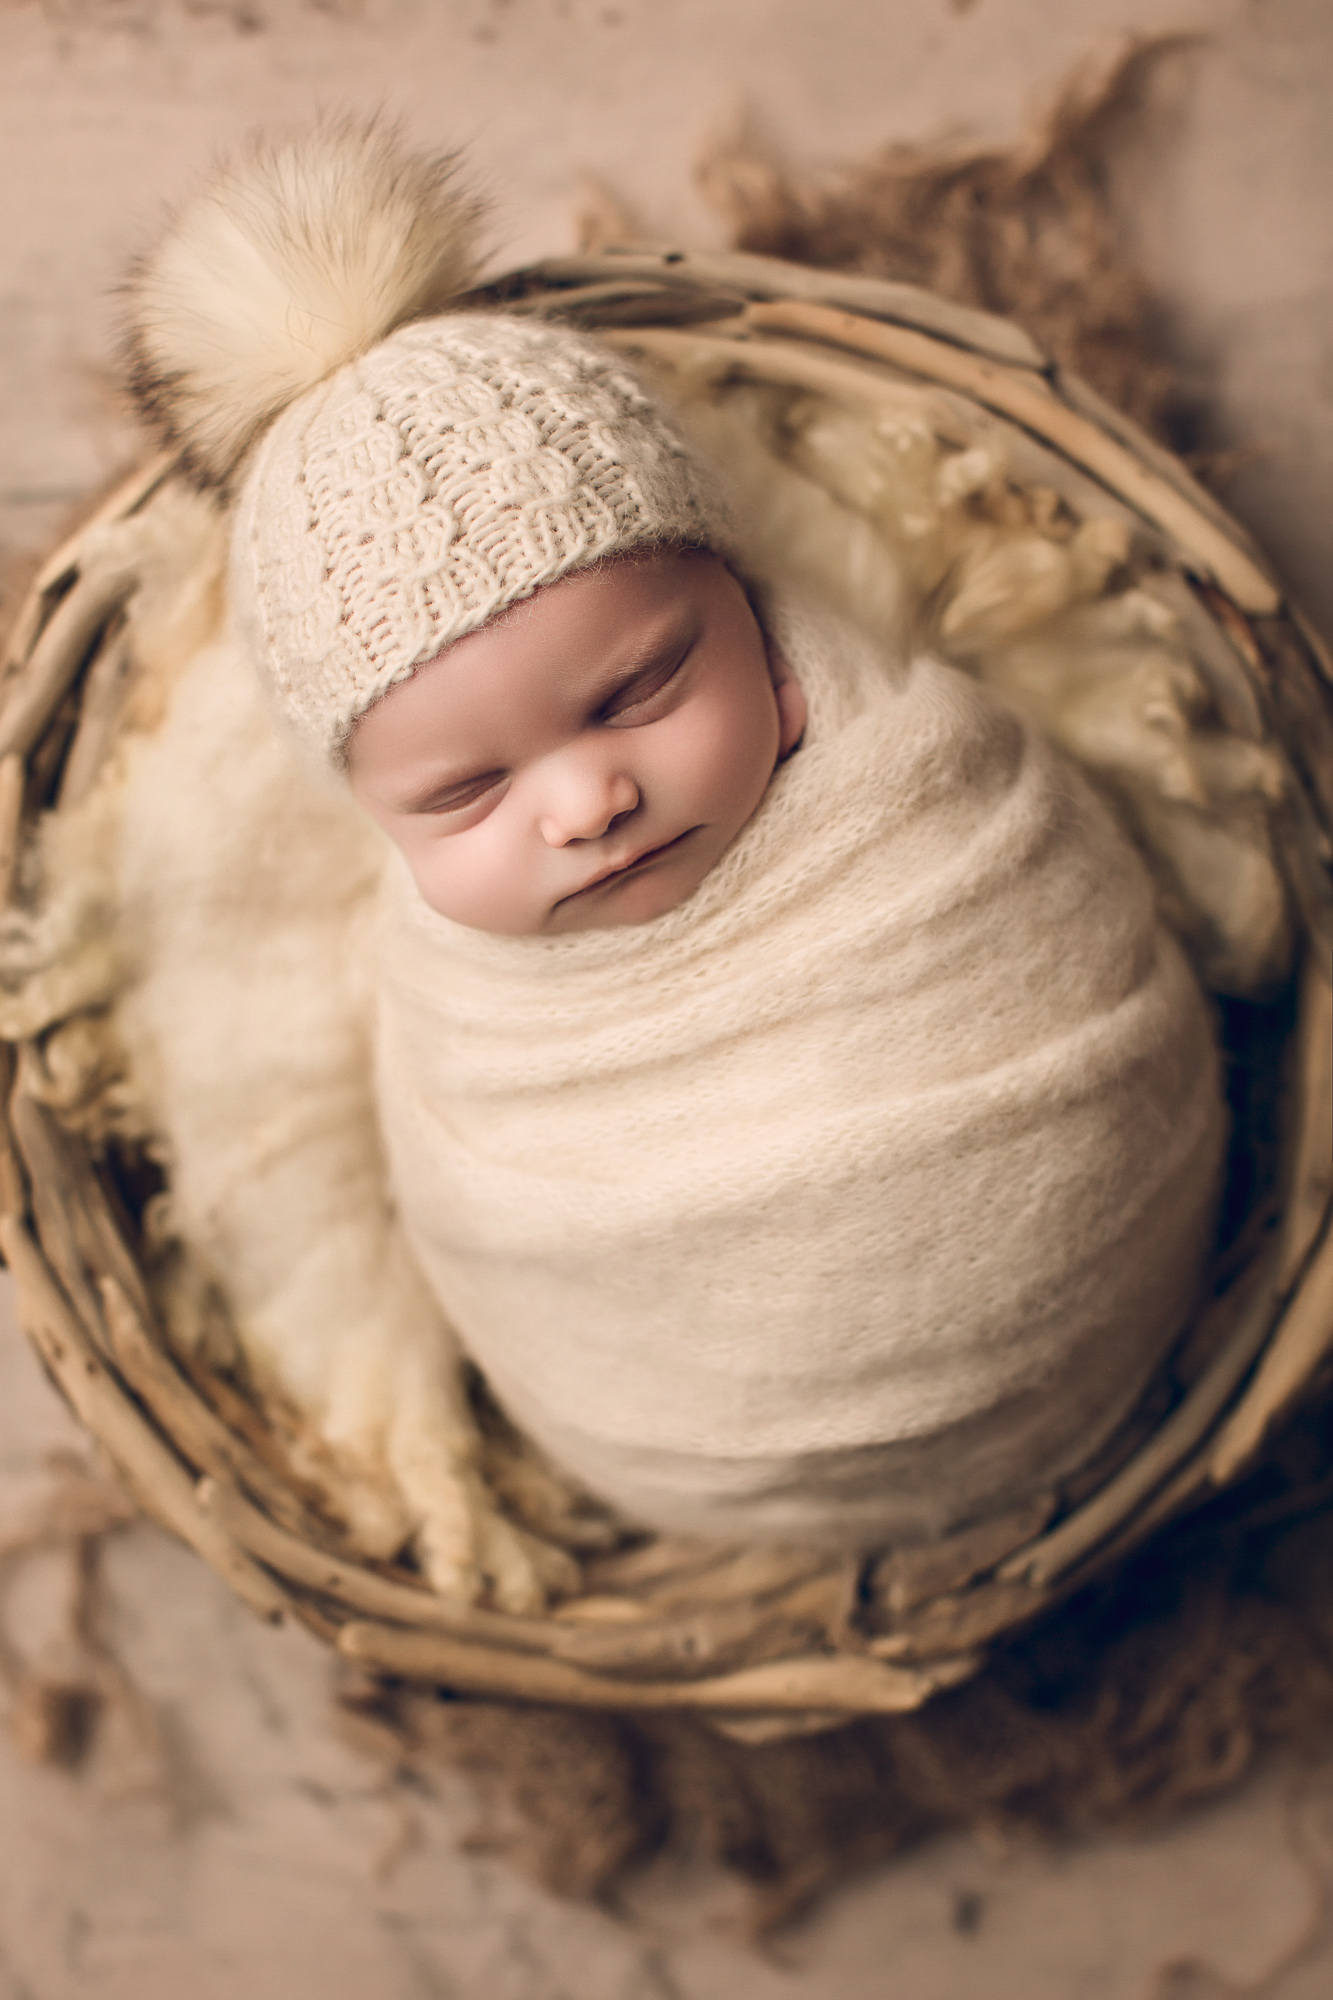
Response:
column 425, row 486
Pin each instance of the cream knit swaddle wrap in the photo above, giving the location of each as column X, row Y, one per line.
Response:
column 856, row 1196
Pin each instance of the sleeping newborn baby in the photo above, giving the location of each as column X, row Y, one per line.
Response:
column 814, row 1143
column 789, row 1092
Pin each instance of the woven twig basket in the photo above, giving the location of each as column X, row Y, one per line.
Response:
column 763, row 1640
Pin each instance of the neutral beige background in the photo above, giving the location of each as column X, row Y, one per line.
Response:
column 255, row 1872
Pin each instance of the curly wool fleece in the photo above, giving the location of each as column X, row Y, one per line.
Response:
column 860, row 1194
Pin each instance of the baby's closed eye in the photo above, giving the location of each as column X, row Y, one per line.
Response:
column 459, row 795
column 638, row 699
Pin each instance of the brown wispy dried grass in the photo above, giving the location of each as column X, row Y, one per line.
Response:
column 1028, row 230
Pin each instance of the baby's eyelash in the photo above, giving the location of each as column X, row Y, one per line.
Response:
column 627, row 700
column 460, row 796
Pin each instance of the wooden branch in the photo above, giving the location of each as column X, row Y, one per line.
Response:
column 774, row 278
column 963, row 1621
column 1301, row 841
column 1309, row 1174
column 349, row 1583
column 845, row 1684
column 13, row 1185
column 155, row 1477
column 910, row 1577
column 721, row 358
column 23, row 634
column 12, row 777
column 630, row 302
column 708, row 1639
column 1315, row 644
column 104, row 689
column 104, row 1249
column 91, row 1235
column 62, row 566
column 1039, row 410
column 652, row 1560
column 236, row 1410
column 1254, row 1306
column 1304, row 712
column 1303, row 1338
column 677, row 1572
column 1286, row 662
column 1196, row 1479
column 1189, row 1487
column 54, row 1194
column 199, row 1436
column 1083, row 398
column 61, row 650
column 123, row 501
column 686, row 1647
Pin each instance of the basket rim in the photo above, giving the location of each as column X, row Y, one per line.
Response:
column 88, row 1311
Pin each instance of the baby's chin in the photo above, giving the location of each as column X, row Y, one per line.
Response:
column 636, row 897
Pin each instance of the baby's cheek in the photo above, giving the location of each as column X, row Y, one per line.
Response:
column 732, row 751
column 434, row 862
column 685, row 750
column 477, row 878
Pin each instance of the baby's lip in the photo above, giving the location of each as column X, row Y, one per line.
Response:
column 631, row 861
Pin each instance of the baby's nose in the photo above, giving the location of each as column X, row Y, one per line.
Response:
column 586, row 803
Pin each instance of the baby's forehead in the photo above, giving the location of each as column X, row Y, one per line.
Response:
column 553, row 656
column 616, row 599
column 569, row 638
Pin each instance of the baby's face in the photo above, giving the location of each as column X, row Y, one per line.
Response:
column 582, row 761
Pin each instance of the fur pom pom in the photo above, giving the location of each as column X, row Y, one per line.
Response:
column 287, row 265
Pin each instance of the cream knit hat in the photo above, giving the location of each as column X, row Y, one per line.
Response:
column 399, row 487
column 452, row 470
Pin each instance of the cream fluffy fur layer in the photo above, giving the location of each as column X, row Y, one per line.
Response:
column 259, row 1074
column 859, row 1195
column 212, row 893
